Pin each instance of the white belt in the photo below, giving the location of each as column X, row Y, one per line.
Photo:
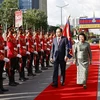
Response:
column 24, row 47
column 2, row 51
column 15, row 48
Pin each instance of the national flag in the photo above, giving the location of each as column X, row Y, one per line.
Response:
column 67, row 33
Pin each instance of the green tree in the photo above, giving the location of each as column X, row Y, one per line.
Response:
column 36, row 19
column 77, row 29
column 31, row 18
column 7, row 9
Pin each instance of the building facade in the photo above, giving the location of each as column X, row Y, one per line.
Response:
column 1, row 1
column 74, row 22
column 25, row 4
column 33, row 4
column 43, row 5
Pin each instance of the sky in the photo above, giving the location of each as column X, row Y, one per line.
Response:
column 75, row 8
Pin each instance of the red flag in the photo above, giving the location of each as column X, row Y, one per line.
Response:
column 67, row 33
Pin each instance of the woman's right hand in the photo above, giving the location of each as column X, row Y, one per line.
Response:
column 90, row 62
column 51, row 60
column 74, row 61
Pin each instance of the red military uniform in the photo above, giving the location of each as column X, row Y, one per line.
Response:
column 12, row 44
column 2, row 59
column 23, row 51
column 12, row 54
column 37, row 43
column 45, row 44
column 22, row 42
column 31, row 49
column 47, row 50
column 1, row 48
column 38, row 50
column 50, row 40
column 43, row 52
column 30, row 40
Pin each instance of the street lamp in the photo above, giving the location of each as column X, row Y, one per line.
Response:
column 61, row 11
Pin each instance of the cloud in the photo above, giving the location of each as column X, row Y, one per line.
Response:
column 52, row 12
column 76, row 8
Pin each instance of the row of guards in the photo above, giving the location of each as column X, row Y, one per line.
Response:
column 20, row 50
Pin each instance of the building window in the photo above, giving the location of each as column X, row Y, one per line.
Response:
column 35, row 4
column 25, row 4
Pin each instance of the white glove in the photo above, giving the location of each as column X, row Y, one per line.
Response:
column 27, row 52
column 42, row 50
column 6, row 59
column 18, row 45
column 6, row 48
column 15, row 49
column 27, row 43
column 48, row 49
column 35, row 52
column 19, row 56
column 24, row 47
column 45, row 44
column 41, row 42
column 48, row 42
column 32, row 46
column 35, row 43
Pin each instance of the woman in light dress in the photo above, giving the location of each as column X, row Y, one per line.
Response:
column 83, row 57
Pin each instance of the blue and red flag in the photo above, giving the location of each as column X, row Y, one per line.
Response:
column 67, row 33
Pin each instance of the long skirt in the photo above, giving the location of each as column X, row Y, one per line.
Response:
column 82, row 71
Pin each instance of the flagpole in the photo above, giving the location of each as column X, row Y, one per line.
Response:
column 68, row 18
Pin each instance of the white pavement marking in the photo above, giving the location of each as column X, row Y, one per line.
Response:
column 45, row 83
column 21, row 97
column 16, row 94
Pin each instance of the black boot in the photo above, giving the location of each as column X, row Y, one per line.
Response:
column 1, row 87
column 44, row 68
column 13, row 78
column 21, row 77
column 11, row 82
column 1, row 92
column 31, row 74
column 10, row 77
column 37, row 69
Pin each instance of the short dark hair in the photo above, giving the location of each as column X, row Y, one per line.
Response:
column 82, row 35
column 60, row 29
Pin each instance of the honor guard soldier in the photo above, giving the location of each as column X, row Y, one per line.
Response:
column 47, row 49
column 43, row 53
column 50, row 40
column 3, row 59
column 13, row 56
column 31, row 49
column 23, row 52
column 37, row 53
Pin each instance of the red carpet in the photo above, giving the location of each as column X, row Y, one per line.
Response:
column 94, row 46
column 72, row 91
